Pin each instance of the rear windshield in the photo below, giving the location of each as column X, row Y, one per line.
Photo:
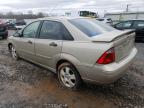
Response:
column 91, row 27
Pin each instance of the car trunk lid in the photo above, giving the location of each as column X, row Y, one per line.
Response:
column 110, row 36
column 123, row 42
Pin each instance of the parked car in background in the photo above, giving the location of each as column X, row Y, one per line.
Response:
column 76, row 49
column 137, row 25
column 16, row 25
column 3, row 30
column 20, row 24
column 105, row 20
column 10, row 24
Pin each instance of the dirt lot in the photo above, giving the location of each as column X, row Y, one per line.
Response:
column 25, row 85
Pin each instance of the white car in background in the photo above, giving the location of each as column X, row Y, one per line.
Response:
column 20, row 24
column 105, row 20
column 19, row 27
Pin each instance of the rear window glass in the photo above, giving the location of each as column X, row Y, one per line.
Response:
column 91, row 27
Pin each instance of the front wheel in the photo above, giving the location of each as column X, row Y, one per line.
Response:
column 69, row 76
column 13, row 52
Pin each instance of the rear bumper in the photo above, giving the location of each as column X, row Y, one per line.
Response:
column 104, row 74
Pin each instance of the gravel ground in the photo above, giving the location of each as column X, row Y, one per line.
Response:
column 25, row 85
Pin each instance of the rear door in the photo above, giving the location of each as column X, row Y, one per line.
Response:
column 139, row 26
column 48, row 45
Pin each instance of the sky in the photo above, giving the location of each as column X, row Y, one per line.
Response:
column 61, row 6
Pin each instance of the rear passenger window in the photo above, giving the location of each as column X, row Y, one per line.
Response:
column 50, row 30
column 54, row 30
column 66, row 34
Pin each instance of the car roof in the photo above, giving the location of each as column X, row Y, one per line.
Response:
column 61, row 18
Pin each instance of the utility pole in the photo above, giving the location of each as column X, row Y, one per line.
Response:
column 127, row 8
column 105, row 11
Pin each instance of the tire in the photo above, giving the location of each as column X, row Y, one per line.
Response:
column 69, row 76
column 13, row 52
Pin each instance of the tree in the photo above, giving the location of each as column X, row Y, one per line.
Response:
column 30, row 12
column 40, row 15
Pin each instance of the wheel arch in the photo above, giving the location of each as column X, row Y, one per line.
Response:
column 60, row 62
column 64, row 61
column 67, row 58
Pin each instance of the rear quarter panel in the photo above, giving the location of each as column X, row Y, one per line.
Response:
column 87, row 53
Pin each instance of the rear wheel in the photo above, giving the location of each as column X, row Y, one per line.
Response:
column 69, row 76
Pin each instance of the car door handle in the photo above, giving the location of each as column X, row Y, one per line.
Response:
column 30, row 42
column 53, row 44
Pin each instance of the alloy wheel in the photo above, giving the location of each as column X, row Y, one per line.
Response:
column 13, row 52
column 67, row 77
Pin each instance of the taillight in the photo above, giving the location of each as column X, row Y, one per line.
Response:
column 107, row 57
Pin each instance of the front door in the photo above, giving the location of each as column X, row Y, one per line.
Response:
column 25, row 44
